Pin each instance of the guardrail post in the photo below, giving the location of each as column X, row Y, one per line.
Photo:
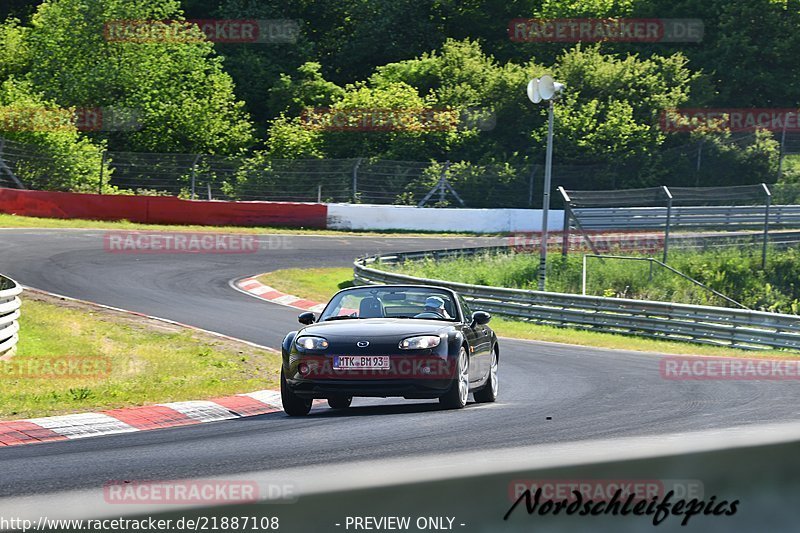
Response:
column 699, row 161
column 668, row 221
column 766, row 226
column 565, row 232
column 355, row 180
column 194, row 174
column 583, row 276
column 782, row 152
column 443, row 186
column 567, row 216
column 530, row 189
column 102, row 168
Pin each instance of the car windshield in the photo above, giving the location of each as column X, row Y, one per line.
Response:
column 391, row 302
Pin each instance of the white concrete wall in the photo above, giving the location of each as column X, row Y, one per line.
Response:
column 386, row 217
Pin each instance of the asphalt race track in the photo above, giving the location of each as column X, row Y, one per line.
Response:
column 589, row 393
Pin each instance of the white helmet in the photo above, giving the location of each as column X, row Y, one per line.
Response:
column 434, row 302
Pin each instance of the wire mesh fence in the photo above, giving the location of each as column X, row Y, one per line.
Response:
column 741, row 215
column 354, row 180
column 363, row 180
column 17, row 159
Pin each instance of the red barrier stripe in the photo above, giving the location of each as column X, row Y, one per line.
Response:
column 271, row 295
column 20, row 432
column 304, row 304
column 245, row 405
column 161, row 210
column 151, row 417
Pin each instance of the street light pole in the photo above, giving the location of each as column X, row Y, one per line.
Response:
column 545, row 89
column 548, row 167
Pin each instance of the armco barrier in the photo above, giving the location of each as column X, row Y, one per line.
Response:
column 738, row 217
column 720, row 326
column 9, row 314
column 161, row 209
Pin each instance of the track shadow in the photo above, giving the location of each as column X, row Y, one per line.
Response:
column 383, row 410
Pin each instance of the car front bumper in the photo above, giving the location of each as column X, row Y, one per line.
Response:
column 414, row 375
column 405, row 388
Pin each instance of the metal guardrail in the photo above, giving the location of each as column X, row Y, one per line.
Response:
column 9, row 314
column 591, row 210
column 719, row 326
column 604, row 218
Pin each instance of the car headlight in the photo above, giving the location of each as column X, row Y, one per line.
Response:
column 311, row 343
column 420, row 343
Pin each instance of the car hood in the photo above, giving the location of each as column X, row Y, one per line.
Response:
column 376, row 327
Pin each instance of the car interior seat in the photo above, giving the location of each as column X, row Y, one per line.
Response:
column 370, row 307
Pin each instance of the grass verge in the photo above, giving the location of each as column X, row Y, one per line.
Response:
column 320, row 283
column 120, row 360
column 317, row 284
column 15, row 221
column 733, row 272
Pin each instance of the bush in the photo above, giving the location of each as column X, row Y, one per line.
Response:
column 56, row 156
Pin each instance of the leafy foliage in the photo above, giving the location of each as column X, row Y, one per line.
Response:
column 64, row 159
column 450, row 56
column 183, row 98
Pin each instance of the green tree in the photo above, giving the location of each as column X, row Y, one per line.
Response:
column 308, row 88
column 184, row 100
column 461, row 76
column 746, row 50
column 57, row 156
column 355, row 36
column 392, row 122
column 13, row 50
column 612, row 105
column 257, row 68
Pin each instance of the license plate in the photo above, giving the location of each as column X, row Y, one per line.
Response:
column 361, row 362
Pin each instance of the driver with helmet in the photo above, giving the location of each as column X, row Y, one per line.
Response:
column 435, row 304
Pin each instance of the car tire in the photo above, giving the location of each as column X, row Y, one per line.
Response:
column 456, row 396
column 293, row 405
column 340, row 402
column 488, row 393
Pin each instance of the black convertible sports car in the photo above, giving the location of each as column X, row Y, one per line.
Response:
column 412, row 341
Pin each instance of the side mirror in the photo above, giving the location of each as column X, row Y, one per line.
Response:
column 481, row 318
column 306, row 318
